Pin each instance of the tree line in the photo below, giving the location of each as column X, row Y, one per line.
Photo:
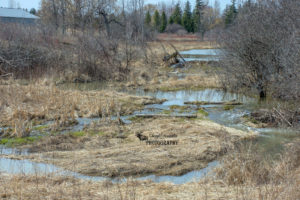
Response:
column 200, row 19
column 106, row 15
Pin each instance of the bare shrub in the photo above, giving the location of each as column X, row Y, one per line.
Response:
column 242, row 166
column 29, row 52
column 176, row 28
column 245, row 165
column 101, row 58
column 260, row 50
column 25, row 54
column 281, row 114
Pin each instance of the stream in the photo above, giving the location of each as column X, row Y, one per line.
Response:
column 270, row 141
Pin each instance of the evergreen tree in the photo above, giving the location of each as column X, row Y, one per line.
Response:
column 187, row 20
column 230, row 14
column 148, row 18
column 171, row 20
column 156, row 20
column 164, row 22
column 197, row 15
column 32, row 11
column 177, row 15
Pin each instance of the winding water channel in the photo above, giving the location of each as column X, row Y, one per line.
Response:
column 270, row 140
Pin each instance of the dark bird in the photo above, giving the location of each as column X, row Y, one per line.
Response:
column 141, row 137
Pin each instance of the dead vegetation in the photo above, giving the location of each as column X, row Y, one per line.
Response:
column 281, row 114
column 108, row 149
column 243, row 176
column 34, row 103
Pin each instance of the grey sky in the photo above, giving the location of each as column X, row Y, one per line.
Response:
column 23, row 3
column 36, row 3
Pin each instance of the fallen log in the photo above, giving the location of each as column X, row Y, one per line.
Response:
column 178, row 53
column 166, row 115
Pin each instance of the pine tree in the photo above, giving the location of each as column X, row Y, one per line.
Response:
column 164, row 22
column 148, row 18
column 171, row 20
column 230, row 14
column 177, row 15
column 187, row 20
column 197, row 15
column 156, row 20
column 32, row 11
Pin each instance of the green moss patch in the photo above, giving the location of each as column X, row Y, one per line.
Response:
column 228, row 107
column 18, row 141
column 135, row 119
column 41, row 128
column 202, row 112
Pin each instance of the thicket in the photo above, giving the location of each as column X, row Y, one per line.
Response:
column 261, row 49
column 100, row 43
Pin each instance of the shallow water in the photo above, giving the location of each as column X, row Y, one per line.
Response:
column 270, row 141
column 209, row 95
column 201, row 55
column 12, row 151
column 189, row 177
column 200, row 52
column 12, row 166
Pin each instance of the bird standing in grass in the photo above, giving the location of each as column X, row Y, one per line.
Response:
column 141, row 137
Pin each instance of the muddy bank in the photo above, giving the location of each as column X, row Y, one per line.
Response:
column 117, row 151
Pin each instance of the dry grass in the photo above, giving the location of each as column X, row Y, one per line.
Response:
column 198, row 81
column 243, row 173
column 181, row 45
column 210, row 188
column 116, row 151
column 36, row 103
column 197, row 76
column 245, row 165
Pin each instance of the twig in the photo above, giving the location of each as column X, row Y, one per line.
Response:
column 282, row 117
column 5, row 75
column 7, row 62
